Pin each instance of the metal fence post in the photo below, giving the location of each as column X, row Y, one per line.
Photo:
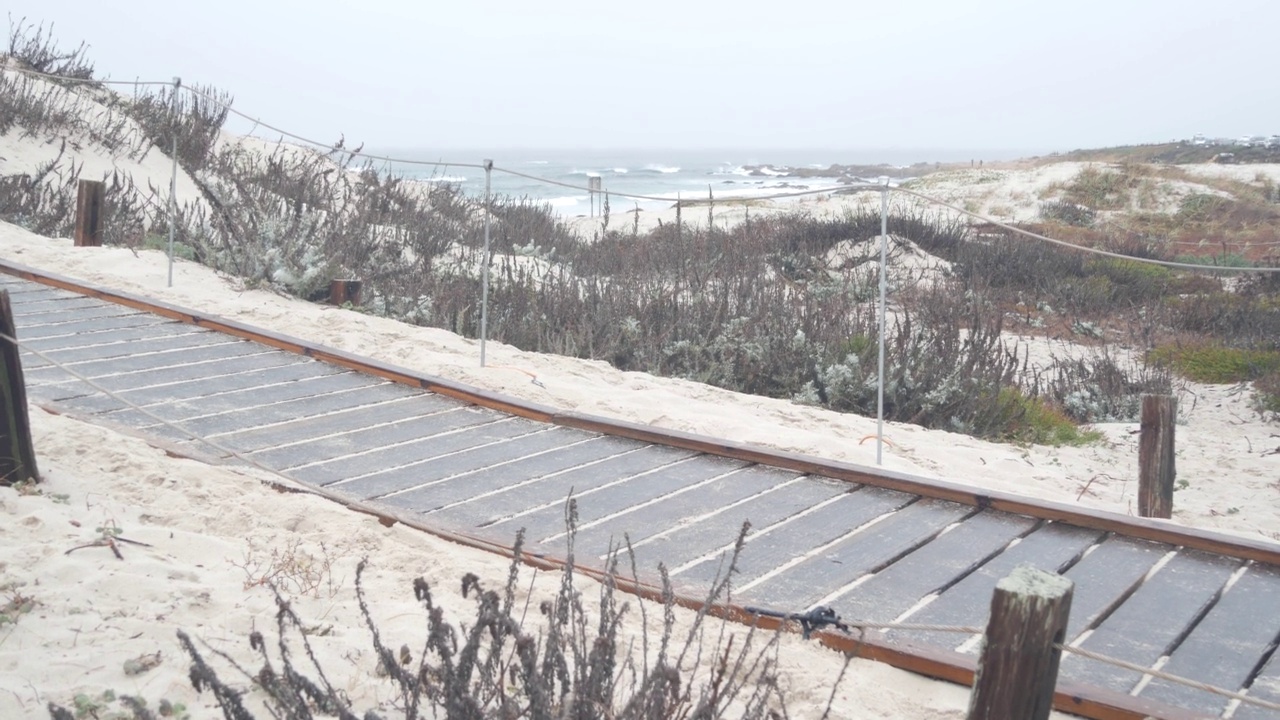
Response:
column 173, row 178
column 484, row 275
column 884, row 254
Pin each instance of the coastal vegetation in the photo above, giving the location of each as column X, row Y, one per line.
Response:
column 783, row 305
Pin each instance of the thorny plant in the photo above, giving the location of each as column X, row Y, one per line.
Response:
column 292, row 568
column 568, row 664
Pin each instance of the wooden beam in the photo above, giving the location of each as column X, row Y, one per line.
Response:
column 89, row 213
column 1156, row 471
column 1018, row 670
column 17, row 453
column 342, row 292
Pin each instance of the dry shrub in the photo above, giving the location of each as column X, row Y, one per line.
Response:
column 193, row 117
column 33, row 47
column 574, row 664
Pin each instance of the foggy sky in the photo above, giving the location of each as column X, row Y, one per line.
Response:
column 984, row 74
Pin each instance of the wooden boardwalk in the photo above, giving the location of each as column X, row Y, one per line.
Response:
column 873, row 546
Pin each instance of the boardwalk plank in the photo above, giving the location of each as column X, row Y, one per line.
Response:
column 607, row 501
column 1227, row 645
column 363, row 440
column 1177, row 594
column 165, row 342
column 769, row 548
column 23, row 291
column 455, row 489
column 33, row 307
column 865, row 550
column 676, row 509
column 289, row 403
column 401, row 406
column 491, row 427
column 59, row 316
column 493, row 509
column 94, row 369
column 109, row 336
column 1266, row 686
column 82, row 327
column 719, row 531
column 932, row 567
column 173, row 397
column 1051, row 548
column 164, row 376
column 233, row 394
column 1105, row 576
column 442, row 466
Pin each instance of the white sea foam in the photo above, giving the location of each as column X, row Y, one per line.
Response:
column 664, row 169
column 620, row 170
column 567, row 201
column 443, row 179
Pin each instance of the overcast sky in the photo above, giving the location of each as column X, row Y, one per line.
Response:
column 744, row 74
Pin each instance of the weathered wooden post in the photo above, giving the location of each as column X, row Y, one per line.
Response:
column 1156, row 470
column 89, row 214
column 17, row 455
column 1019, row 665
column 342, row 292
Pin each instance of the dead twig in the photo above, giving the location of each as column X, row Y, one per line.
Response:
column 109, row 541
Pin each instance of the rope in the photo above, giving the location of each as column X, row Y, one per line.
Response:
column 654, row 198
column 85, row 81
column 1072, row 246
column 428, row 163
column 1248, row 700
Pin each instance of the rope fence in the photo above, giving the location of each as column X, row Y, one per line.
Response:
column 1176, row 679
column 489, row 167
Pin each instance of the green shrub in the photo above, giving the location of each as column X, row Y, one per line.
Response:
column 1068, row 213
column 1216, row 363
column 1266, row 394
column 1200, row 207
column 1100, row 189
column 1034, row 420
column 160, row 242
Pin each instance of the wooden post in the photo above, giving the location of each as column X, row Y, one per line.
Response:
column 1156, row 470
column 1019, row 665
column 342, row 292
column 89, row 214
column 17, row 455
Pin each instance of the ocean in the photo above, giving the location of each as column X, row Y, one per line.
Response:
column 563, row 177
